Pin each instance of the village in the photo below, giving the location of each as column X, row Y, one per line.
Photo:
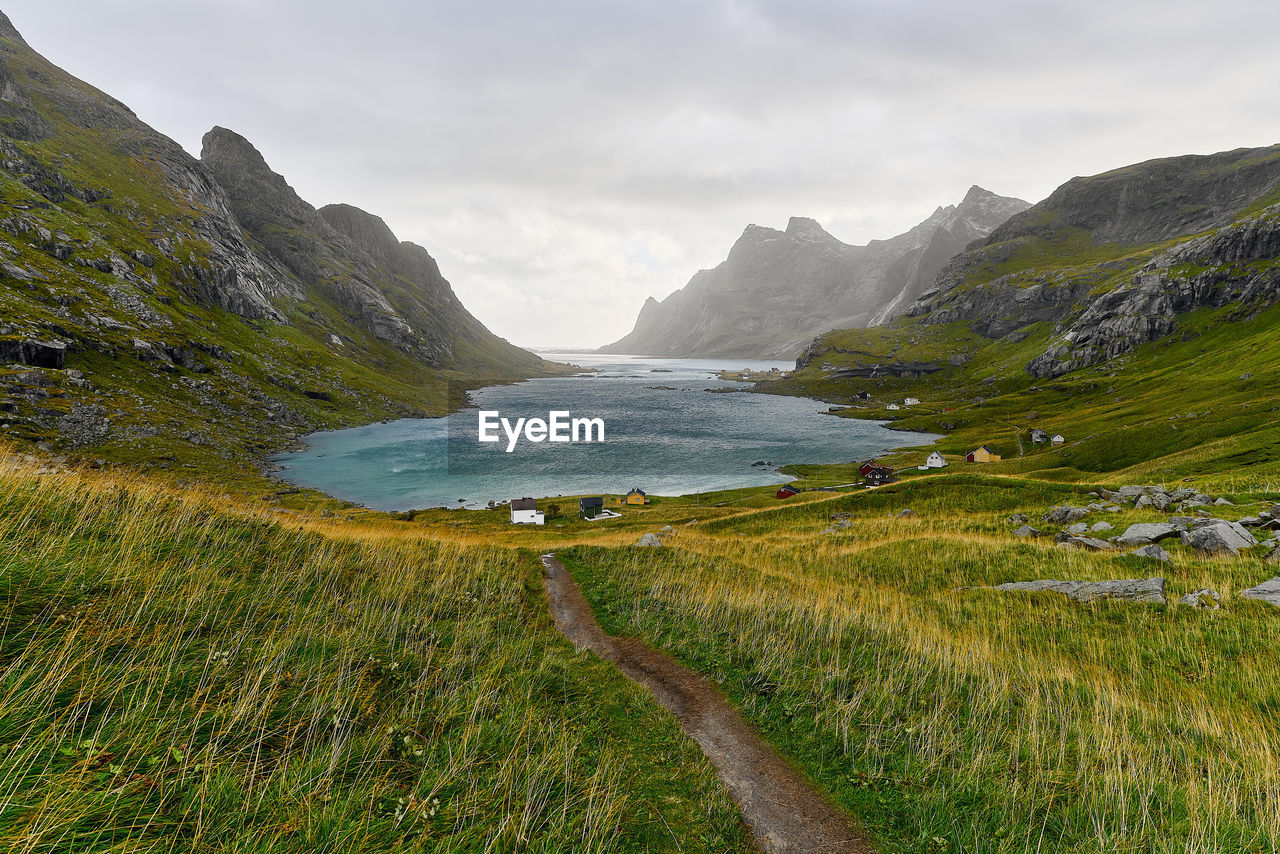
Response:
column 524, row 511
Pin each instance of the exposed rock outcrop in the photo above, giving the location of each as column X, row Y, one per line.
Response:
column 1131, row 589
column 1106, row 308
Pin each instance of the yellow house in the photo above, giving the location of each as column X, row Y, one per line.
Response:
column 636, row 496
column 983, row 455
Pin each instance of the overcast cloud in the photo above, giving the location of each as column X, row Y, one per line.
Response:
column 564, row 160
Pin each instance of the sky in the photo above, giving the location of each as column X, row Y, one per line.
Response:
column 563, row 160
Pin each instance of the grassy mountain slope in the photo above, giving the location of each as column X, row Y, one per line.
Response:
column 140, row 322
column 1154, row 359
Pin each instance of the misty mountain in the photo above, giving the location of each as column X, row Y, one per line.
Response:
column 777, row 290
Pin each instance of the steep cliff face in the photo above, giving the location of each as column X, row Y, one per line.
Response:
column 776, row 290
column 1113, row 260
column 144, row 294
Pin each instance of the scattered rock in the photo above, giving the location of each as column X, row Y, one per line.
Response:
column 1222, row 502
column 1099, row 527
column 1018, row 518
column 907, row 513
column 1267, row 591
column 1146, row 532
column 650, row 540
column 1220, row 538
column 1129, row 589
column 1078, row 528
column 666, row 531
column 1066, row 514
column 1208, row 599
column 1027, row 531
column 1153, row 552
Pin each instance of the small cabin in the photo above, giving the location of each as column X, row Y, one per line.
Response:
column 893, row 406
column 934, row 461
column 1058, row 439
column 878, row 475
column 982, row 455
column 590, row 508
column 911, row 401
column 524, row 511
column 865, row 468
column 786, row 491
column 636, row 496
column 1039, row 436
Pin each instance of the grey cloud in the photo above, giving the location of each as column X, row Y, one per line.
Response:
column 543, row 151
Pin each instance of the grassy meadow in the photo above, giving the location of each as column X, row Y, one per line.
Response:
column 950, row 718
column 180, row 673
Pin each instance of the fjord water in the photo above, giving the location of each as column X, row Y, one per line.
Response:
column 672, row 427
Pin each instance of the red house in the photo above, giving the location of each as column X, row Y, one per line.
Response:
column 867, row 467
column 787, row 491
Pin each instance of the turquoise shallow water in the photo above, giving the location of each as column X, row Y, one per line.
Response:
column 666, row 432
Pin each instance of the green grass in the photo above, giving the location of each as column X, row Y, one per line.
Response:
column 181, row 675
column 955, row 719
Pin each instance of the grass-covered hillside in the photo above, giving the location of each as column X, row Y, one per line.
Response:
column 1134, row 313
column 181, row 673
column 142, row 321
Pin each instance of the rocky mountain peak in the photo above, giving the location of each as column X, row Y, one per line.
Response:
column 804, row 228
column 8, row 30
column 369, row 232
column 976, row 195
column 226, row 146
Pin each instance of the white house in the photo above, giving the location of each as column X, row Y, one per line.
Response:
column 524, row 511
column 1058, row 439
column 935, row 461
column 893, row 406
column 911, row 401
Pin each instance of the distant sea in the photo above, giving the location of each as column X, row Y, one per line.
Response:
column 672, row 427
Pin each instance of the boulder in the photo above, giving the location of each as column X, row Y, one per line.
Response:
column 1210, row 600
column 1143, row 502
column 1086, row 543
column 907, row 513
column 650, row 540
column 1146, row 532
column 1153, row 552
column 1221, row 538
column 1099, row 527
column 1027, row 531
column 1222, row 502
column 1078, row 528
column 1066, row 514
column 1267, row 591
column 1129, row 589
column 1018, row 518
column 666, row 530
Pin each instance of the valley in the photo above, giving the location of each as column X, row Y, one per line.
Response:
column 993, row 567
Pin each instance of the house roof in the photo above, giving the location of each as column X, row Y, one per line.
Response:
column 524, row 504
column 788, row 488
column 591, row 502
column 986, row 448
column 636, row 491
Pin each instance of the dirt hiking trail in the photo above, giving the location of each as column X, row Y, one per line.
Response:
column 783, row 808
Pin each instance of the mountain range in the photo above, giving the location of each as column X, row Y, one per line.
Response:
column 777, row 290
column 149, row 298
